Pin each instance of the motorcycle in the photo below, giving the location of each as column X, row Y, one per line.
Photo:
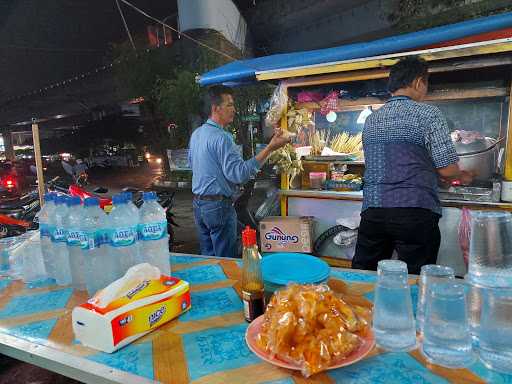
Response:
column 18, row 215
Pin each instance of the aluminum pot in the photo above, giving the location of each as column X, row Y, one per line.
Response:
column 482, row 163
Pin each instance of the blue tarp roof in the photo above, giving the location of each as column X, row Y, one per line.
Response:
column 242, row 71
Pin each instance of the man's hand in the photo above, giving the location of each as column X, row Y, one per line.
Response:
column 466, row 178
column 278, row 140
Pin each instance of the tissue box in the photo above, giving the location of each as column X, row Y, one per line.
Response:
column 143, row 309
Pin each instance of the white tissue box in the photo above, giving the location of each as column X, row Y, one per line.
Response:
column 143, row 309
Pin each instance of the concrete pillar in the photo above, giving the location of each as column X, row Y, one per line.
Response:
column 8, row 144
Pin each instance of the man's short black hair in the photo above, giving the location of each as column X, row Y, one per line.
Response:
column 404, row 72
column 215, row 94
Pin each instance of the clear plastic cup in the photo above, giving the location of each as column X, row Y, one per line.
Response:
column 495, row 331
column 393, row 319
column 446, row 337
column 490, row 250
column 429, row 274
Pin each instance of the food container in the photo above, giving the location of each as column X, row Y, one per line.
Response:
column 317, row 179
column 480, row 158
column 279, row 269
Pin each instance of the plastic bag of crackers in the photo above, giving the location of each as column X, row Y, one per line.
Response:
column 312, row 327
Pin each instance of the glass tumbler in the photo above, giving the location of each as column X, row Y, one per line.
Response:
column 495, row 332
column 429, row 274
column 490, row 249
column 393, row 320
column 446, row 337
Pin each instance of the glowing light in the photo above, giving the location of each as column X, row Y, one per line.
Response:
column 331, row 117
column 159, row 161
column 147, row 155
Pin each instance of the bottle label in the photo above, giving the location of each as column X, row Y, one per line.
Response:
column 84, row 240
column 46, row 230
column 152, row 231
column 123, row 237
column 77, row 239
column 102, row 237
column 59, row 235
column 254, row 305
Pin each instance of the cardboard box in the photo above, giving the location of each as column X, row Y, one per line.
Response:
column 287, row 234
column 146, row 307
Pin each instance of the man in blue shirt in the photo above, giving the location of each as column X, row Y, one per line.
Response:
column 217, row 169
column 407, row 147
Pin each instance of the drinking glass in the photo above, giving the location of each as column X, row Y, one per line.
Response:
column 446, row 337
column 490, row 249
column 495, row 332
column 393, row 320
column 474, row 307
column 429, row 274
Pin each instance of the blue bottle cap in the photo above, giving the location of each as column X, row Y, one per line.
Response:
column 73, row 201
column 284, row 268
column 148, row 196
column 92, row 202
column 49, row 197
column 128, row 195
column 119, row 199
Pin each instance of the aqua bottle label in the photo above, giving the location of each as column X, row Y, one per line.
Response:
column 123, row 237
column 59, row 235
column 152, row 231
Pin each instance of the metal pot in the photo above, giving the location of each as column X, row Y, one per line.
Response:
column 483, row 162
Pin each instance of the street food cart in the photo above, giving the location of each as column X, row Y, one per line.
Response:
column 470, row 84
column 327, row 103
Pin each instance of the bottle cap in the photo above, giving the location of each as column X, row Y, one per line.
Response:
column 249, row 237
column 73, row 201
column 147, row 196
column 92, row 202
column 119, row 199
column 127, row 195
column 49, row 197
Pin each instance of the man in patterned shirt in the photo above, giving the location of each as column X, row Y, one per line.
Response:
column 407, row 147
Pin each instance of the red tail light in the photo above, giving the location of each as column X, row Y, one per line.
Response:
column 9, row 182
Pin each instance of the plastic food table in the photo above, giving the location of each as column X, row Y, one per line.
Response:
column 204, row 345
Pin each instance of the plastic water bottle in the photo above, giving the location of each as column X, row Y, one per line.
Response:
column 153, row 235
column 123, row 235
column 46, row 229
column 100, row 267
column 133, row 211
column 59, row 240
column 75, row 237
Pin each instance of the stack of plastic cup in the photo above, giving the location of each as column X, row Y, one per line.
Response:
column 446, row 337
column 429, row 274
column 393, row 320
column 490, row 277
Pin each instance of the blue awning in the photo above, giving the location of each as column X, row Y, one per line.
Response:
column 242, row 71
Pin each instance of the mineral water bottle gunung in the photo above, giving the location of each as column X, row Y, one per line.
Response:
column 123, row 235
column 45, row 228
column 59, row 240
column 75, row 238
column 154, row 239
column 135, row 212
column 100, row 266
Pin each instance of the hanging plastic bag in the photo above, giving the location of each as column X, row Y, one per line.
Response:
column 278, row 103
column 465, row 233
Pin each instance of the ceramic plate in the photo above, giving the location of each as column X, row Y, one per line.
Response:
column 254, row 329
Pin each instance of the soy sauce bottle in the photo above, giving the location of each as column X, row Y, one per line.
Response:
column 253, row 294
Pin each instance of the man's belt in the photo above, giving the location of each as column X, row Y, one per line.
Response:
column 211, row 197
